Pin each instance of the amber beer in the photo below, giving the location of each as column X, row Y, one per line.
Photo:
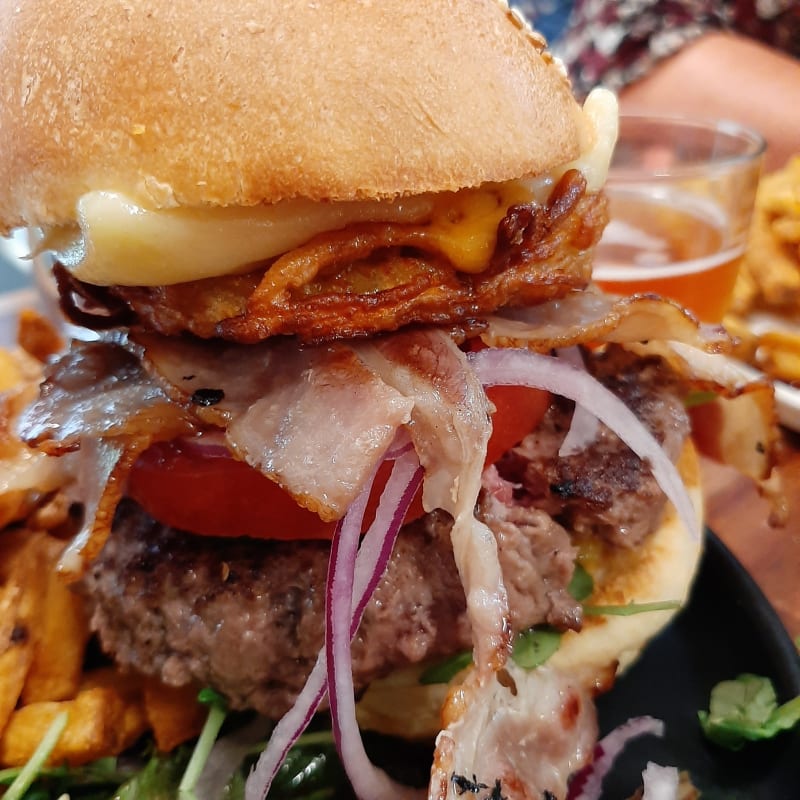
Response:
column 673, row 245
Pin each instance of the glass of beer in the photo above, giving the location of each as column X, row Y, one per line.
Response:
column 681, row 194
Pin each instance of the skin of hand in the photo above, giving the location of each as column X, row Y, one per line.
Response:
column 728, row 76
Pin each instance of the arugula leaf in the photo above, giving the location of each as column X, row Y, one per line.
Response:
column 629, row 609
column 93, row 781
column 581, row 585
column 746, row 709
column 533, row 647
column 311, row 771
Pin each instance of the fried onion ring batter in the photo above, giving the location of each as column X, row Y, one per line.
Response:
column 373, row 277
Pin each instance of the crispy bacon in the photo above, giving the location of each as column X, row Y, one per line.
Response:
column 98, row 389
column 98, row 399
column 377, row 277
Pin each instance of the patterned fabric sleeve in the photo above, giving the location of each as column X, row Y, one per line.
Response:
column 613, row 43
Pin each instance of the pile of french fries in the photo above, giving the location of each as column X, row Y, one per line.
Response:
column 769, row 280
column 45, row 662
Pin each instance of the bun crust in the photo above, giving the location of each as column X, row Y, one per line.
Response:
column 197, row 102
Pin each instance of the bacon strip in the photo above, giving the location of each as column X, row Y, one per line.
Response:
column 520, row 738
column 100, row 390
column 450, row 428
column 587, row 316
column 314, row 420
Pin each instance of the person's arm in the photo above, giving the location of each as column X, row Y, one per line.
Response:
column 728, row 76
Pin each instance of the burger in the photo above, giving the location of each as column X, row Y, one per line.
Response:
column 343, row 401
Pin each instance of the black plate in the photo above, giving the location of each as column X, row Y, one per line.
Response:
column 728, row 628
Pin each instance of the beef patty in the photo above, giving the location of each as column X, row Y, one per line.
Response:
column 246, row 616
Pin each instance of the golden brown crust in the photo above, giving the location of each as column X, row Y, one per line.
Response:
column 195, row 102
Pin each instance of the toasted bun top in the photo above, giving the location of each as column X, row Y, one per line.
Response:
column 197, row 102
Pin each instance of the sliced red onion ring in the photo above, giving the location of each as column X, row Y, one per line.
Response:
column 660, row 783
column 368, row 782
column 587, row 783
column 344, row 609
column 371, row 563
column 523, row 368
column 584, row 425
column 402, row 444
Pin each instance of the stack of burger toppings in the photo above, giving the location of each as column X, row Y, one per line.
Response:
column 346, row 401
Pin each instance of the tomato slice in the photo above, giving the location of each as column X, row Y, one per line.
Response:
column 208, row 492
column 519, row 410
column 217, row 495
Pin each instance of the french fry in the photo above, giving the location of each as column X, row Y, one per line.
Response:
column 10, row 374
column 778, row 354
column 769, row 279
column 174, row 713
column 60, row 640
column 99, row 725
column 23, row 563
column 129, row 688
column 15, row 662
column 37, row 335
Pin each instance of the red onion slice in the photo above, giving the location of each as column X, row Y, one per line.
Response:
column 371, row 563
column 342, row 616
column 287, row 732
column 523, row 368
column 378, row 542
column 587, row 784
column 584, row 425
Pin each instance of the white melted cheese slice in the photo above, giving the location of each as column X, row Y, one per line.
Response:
column 120, row 242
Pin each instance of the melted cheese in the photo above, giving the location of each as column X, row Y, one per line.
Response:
column 120, row 242
column 126, row 244
column 464, row 224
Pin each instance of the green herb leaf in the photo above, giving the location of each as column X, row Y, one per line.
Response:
column 629, row 609
column 746, row 709
column 582, row 584
column 533, row 647
column 210, row 697
column 158, row 779
column 445, row 671
column 95, row 780
column 311, row 769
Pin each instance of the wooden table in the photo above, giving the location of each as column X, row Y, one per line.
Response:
column 737, row 514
